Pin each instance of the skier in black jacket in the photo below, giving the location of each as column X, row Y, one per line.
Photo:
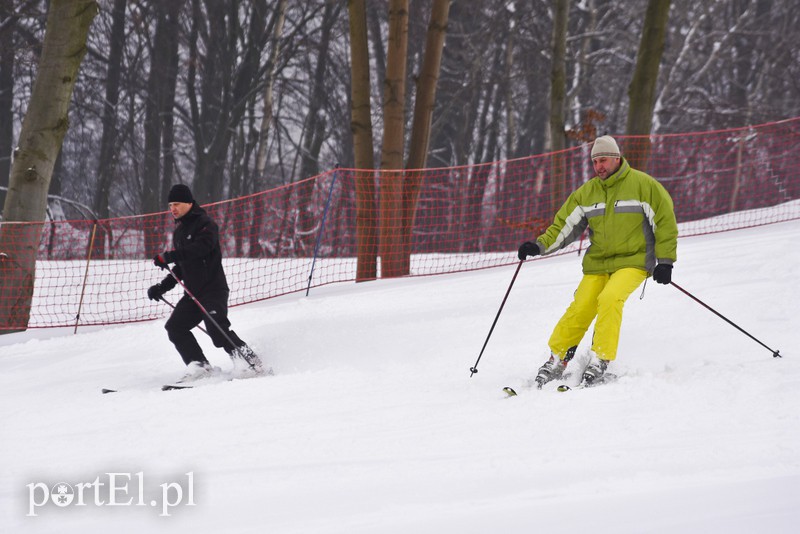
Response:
column 198, row 264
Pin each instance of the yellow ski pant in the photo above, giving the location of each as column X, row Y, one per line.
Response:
column 601, row 296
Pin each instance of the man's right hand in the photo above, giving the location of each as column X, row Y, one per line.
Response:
column 155, row 292
column 528, row 248
column 160, row 261
column 663, row 273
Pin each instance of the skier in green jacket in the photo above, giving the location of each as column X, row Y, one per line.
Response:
column 632, row 233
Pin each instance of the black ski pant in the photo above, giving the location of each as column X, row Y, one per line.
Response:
column 187, row 314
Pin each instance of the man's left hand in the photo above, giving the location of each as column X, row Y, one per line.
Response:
column 662, row 274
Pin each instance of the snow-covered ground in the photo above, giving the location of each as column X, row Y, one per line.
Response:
column 372, row 423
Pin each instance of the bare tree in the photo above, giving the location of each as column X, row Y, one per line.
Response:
column 459, row 90
column 725, row 63
column 377, row 12
column 391, row 181
column 108, row 143
column 259, row 210
column 224, row 66
column 43, row 129
column 642, row 90
column 315, row 129
column 169, row 74
column 361, row 125
column 424, row 102
column 7, row 25
column 558, row 88
column 269, row 89
column 158, row 119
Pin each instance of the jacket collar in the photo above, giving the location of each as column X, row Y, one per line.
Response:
column 618, row 176
column 193, row 213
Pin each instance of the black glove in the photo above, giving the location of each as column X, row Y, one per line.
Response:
column 155, row 292
column 662, row 274
column 162, row 260
column 528, row 249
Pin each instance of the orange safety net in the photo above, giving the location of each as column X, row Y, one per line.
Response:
column 467, row 218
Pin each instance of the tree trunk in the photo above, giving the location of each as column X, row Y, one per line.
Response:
column 108, row 142
column 642, row 89
column 508, row 80
column 266, row 121
column 374, row 17
column 391, row 182
column 259, row 209
column 43, row 130
column 558, row 88
column 209, row 120
column 229, row 68
column 315, row 132
column 476, row 186
column 421, row 127
column 363, row 149
column 152, row 187
column 7, row 50
column 169, row 84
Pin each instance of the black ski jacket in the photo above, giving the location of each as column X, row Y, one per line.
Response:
column 197, row 255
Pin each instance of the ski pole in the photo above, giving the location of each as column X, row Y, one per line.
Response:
column 171, row 305
column 321, row 229
column 85, row 276
column 202, row 308
column 775, row 353
column 474, row 368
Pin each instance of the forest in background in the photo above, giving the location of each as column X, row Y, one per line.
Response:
column 175, row 91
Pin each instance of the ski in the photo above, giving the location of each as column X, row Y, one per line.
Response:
column 607, row 378
column 529, row 384
column 563, row 387
column 172, row 387
column 166, row 387
column 218, row 379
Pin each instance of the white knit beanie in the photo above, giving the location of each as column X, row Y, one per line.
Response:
column 605, row 147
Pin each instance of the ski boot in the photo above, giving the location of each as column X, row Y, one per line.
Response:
column 595, row 371
column 247, row 362
column 553, row 368
column 197, row 371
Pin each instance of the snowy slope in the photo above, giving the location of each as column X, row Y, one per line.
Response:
column 372, row 424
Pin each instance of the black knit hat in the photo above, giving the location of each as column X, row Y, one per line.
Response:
column 180, row 193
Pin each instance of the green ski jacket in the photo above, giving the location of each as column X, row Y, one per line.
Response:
column 630, row 218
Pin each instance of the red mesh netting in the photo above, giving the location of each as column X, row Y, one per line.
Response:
column 467, row 218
